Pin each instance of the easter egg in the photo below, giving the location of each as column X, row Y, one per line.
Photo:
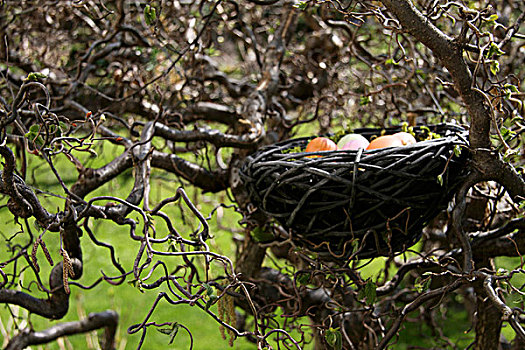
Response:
column 352, row 142
column 320, row 144
column 406, row 138
column 385, row 141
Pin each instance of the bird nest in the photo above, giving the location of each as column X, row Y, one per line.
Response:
column 358, row 203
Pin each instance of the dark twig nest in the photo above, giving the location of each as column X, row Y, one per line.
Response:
column 358, row 203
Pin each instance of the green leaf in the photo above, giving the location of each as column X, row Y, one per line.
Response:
column 457, row 150
column 150, row 14
column 509, row 89
column 492, row 18
column 512, row 88
column 355, row 245
column 505, row 286
column 364, row 100
column 34, row 135
column 507, row 133
column 507, row 157
column 209, row 289
column 334, row 338
column 62, row 126
column 171, row 331
column 494, row 50
column 368, row 292
column 422, row 285
column 303, row 279
column 210, row 302
column 494, row 67
column 296, row 149
column 301, row 5
column 174, row 333
column 35, row 76
column 520, row 300
column 391, row 61
column 440, row 180
column 34, row 129
column 164, row 330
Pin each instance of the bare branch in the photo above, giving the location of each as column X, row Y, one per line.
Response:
column 107, row 319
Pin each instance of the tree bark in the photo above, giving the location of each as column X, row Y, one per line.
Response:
column 488, row 319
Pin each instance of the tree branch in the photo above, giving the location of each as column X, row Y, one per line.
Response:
column 450, row 53
column 107, row 319
column 55, row 307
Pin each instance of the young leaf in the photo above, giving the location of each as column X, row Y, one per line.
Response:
column 494, row 67
column 209, row 289
column 150, row 14
column 210, row 302
column 457, row 150
column 34, row 129
column 171, row 331
column 492, row 18
column 494, row 50
column 512, row 88
column 301, row 5
column 422, row 285
column 364, row 100
column 440, row 179
column 35, row 76
column 355, row 245
column 334, row 338
column 368, row 292
column 174, row 332
column 303, row 279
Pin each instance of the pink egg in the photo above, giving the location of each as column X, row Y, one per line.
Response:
column 355, row 144
column 352, row 142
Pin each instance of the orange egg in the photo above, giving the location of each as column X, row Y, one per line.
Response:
column 385, row 141
column 320, row 144
column 406, row 138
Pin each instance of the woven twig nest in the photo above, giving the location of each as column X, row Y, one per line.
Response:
column 364, row 203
